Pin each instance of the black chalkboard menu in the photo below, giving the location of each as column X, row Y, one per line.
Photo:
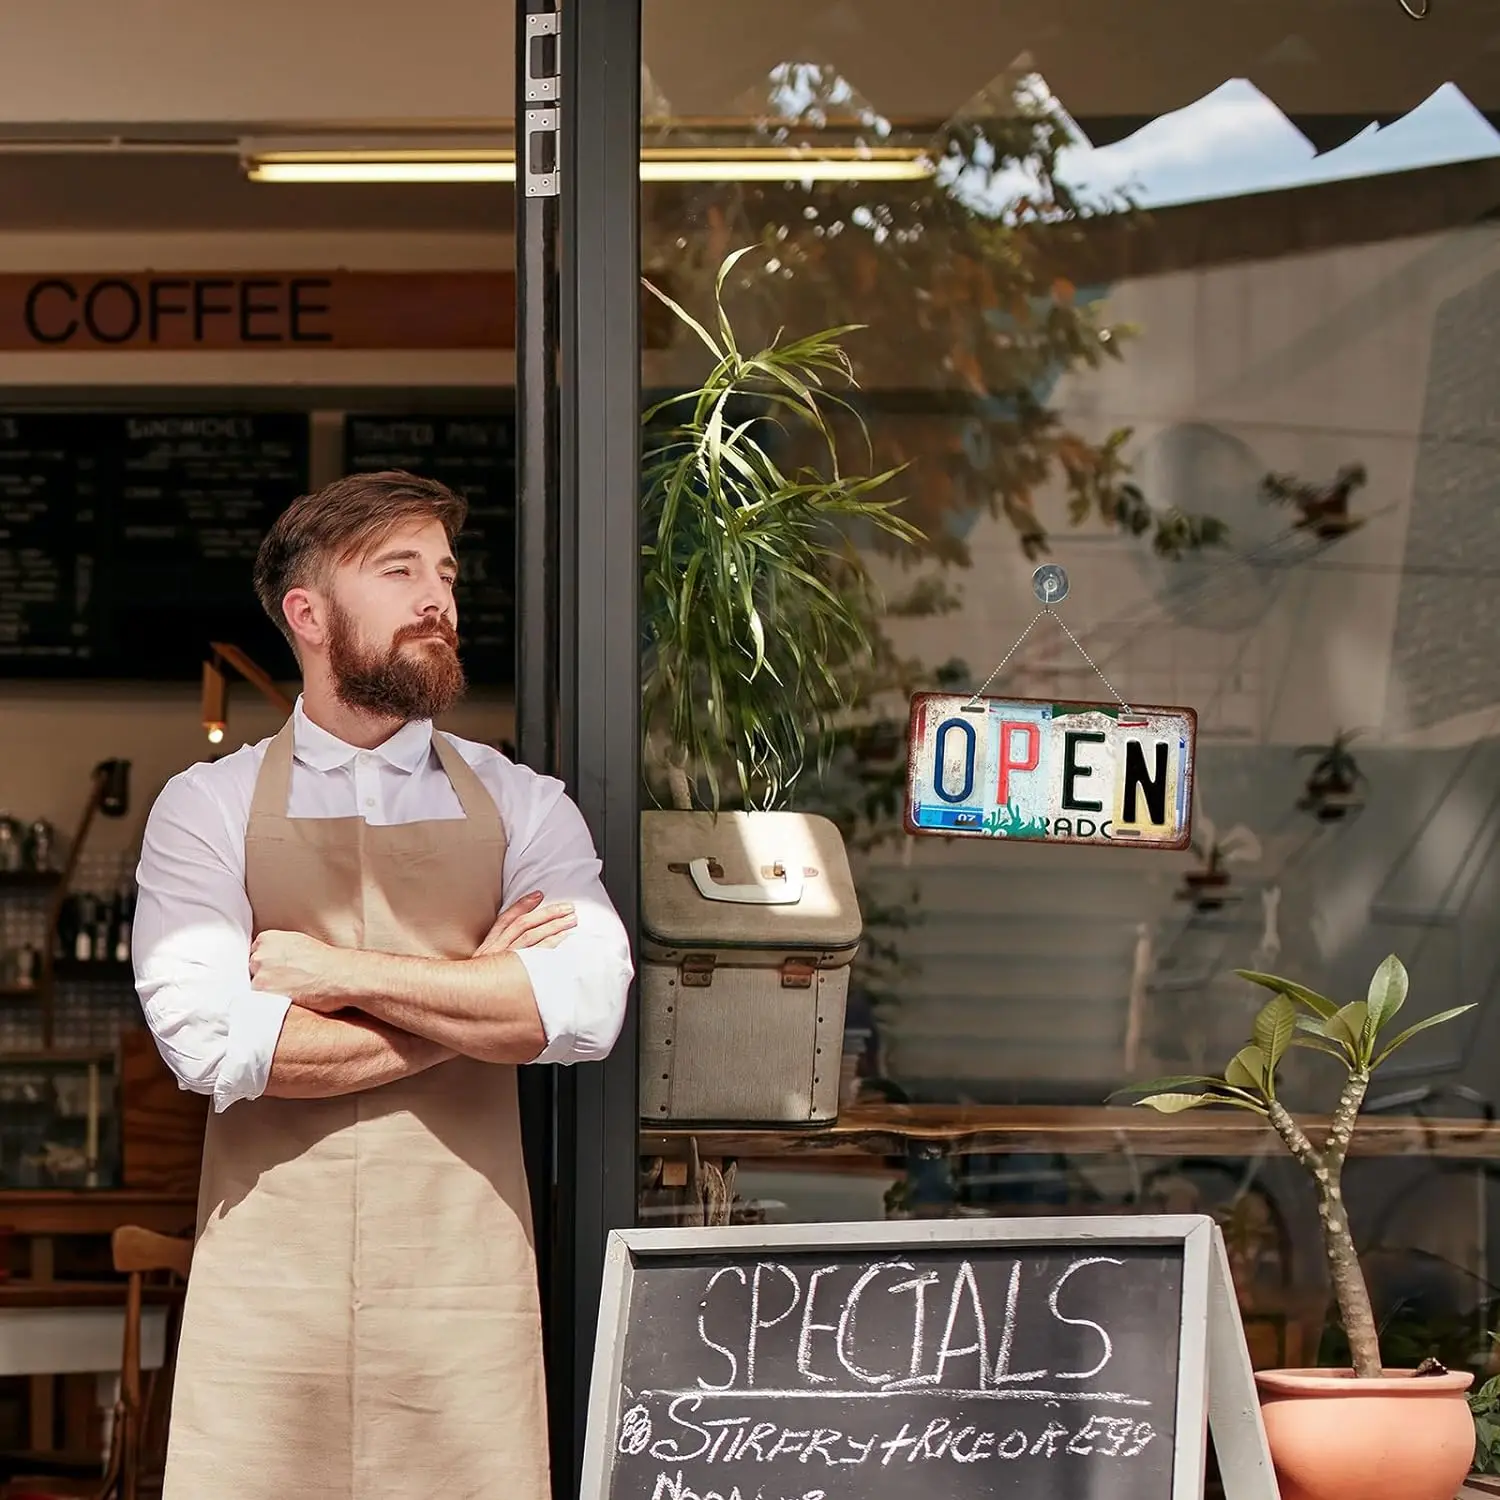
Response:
column 127, row 538
column 475, row 456
column 973, row 1368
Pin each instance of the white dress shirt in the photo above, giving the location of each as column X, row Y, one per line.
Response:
column 193, row 925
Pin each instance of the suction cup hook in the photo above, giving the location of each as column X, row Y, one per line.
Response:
column 1050, row 584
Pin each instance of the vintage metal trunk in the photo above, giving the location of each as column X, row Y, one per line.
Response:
column 749, row 922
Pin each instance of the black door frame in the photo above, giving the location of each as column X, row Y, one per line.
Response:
column 578, row 687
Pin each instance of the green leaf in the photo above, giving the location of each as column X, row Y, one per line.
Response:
column 1248, row 1070
column 1318, row 1044
column 1236, row 1101
column 1176, row 1104
column 1274, row 1029
column 758, row 634
column 729, row 263
column 685, row 316
column 759, row 614
column 1164, row 1085
column 1347, row 1028
column 1388, row 990
column 1319, row 1004
column 1411, row 1031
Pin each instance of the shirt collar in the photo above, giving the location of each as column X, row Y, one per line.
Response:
column 319, row 750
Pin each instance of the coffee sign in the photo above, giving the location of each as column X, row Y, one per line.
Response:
column 257, row 310
column 1049, row 772
column 268, row 311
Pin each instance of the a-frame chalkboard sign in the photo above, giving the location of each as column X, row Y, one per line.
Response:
column 922, row 1361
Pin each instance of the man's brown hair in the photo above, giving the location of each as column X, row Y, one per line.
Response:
column 341, row 522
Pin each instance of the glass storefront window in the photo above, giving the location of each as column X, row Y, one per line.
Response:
column 1202, row 313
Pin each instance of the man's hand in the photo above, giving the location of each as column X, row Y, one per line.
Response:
column 293, row 964
column 313, row 974
column 529, row 924
column 480, row 1007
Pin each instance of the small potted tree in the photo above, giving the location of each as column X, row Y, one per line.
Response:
column 1333, row 788
column 1365, row 1433
column 760, row 620
column 756, row 608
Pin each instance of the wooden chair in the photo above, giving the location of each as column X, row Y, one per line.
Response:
column 137, row 1446
column 138, row 1436
column 137, row 1449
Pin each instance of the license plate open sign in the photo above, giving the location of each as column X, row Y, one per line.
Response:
column 1053, row 773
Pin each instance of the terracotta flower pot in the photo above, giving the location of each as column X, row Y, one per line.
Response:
column 1334, row 1437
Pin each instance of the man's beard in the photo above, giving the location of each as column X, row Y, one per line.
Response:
column 395, row 683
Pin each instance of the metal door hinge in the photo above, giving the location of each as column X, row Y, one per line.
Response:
column 536, row 156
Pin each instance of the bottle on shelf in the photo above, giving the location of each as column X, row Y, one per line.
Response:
column 83, row 928
column 12, row 844
column 123, row 921
column 94, row 928
column 104, row 935
column 41, row 840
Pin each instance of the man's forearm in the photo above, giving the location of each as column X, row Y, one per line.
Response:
column 481, row 1007
column 319, row 1056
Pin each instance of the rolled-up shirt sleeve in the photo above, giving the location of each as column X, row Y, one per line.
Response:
column 580, row 986
column 191, row 945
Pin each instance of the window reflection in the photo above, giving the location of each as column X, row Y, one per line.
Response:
column 1235, row 141
column 1220, row 335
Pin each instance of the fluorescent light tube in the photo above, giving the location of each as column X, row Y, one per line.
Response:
column 657, row 165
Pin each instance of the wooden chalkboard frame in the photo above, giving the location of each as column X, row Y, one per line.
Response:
column 1215, row 1384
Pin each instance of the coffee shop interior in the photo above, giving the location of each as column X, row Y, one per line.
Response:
column 1240, row 270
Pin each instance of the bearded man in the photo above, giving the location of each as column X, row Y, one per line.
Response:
column 349, row 935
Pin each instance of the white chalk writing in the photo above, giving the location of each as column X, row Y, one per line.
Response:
column 740, row 1439
column 746, row 1314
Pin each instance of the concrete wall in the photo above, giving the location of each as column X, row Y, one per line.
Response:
column 346, row 63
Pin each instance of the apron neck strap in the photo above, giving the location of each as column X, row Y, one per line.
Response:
column 473, row 796
column 274, row 783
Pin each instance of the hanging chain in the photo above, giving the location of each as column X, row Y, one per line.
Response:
column 1050, row 582
column 1109, row 686
column 984, row 686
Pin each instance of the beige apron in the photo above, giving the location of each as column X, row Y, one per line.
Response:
column 362, row 1318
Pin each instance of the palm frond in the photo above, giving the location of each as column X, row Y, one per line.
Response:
column 754, row 603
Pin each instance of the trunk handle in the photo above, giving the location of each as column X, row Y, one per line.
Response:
column 787, row 891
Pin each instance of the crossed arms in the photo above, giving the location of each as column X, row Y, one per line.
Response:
column 413, row 1012
column 349, row 1020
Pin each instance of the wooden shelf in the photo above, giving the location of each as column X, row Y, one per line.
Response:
column 937, row 1130
column 43, row 1211
column 26, row 881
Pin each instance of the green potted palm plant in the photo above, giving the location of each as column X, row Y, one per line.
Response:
column 759, row 619
column 757, row 609
column 1363, row 1433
